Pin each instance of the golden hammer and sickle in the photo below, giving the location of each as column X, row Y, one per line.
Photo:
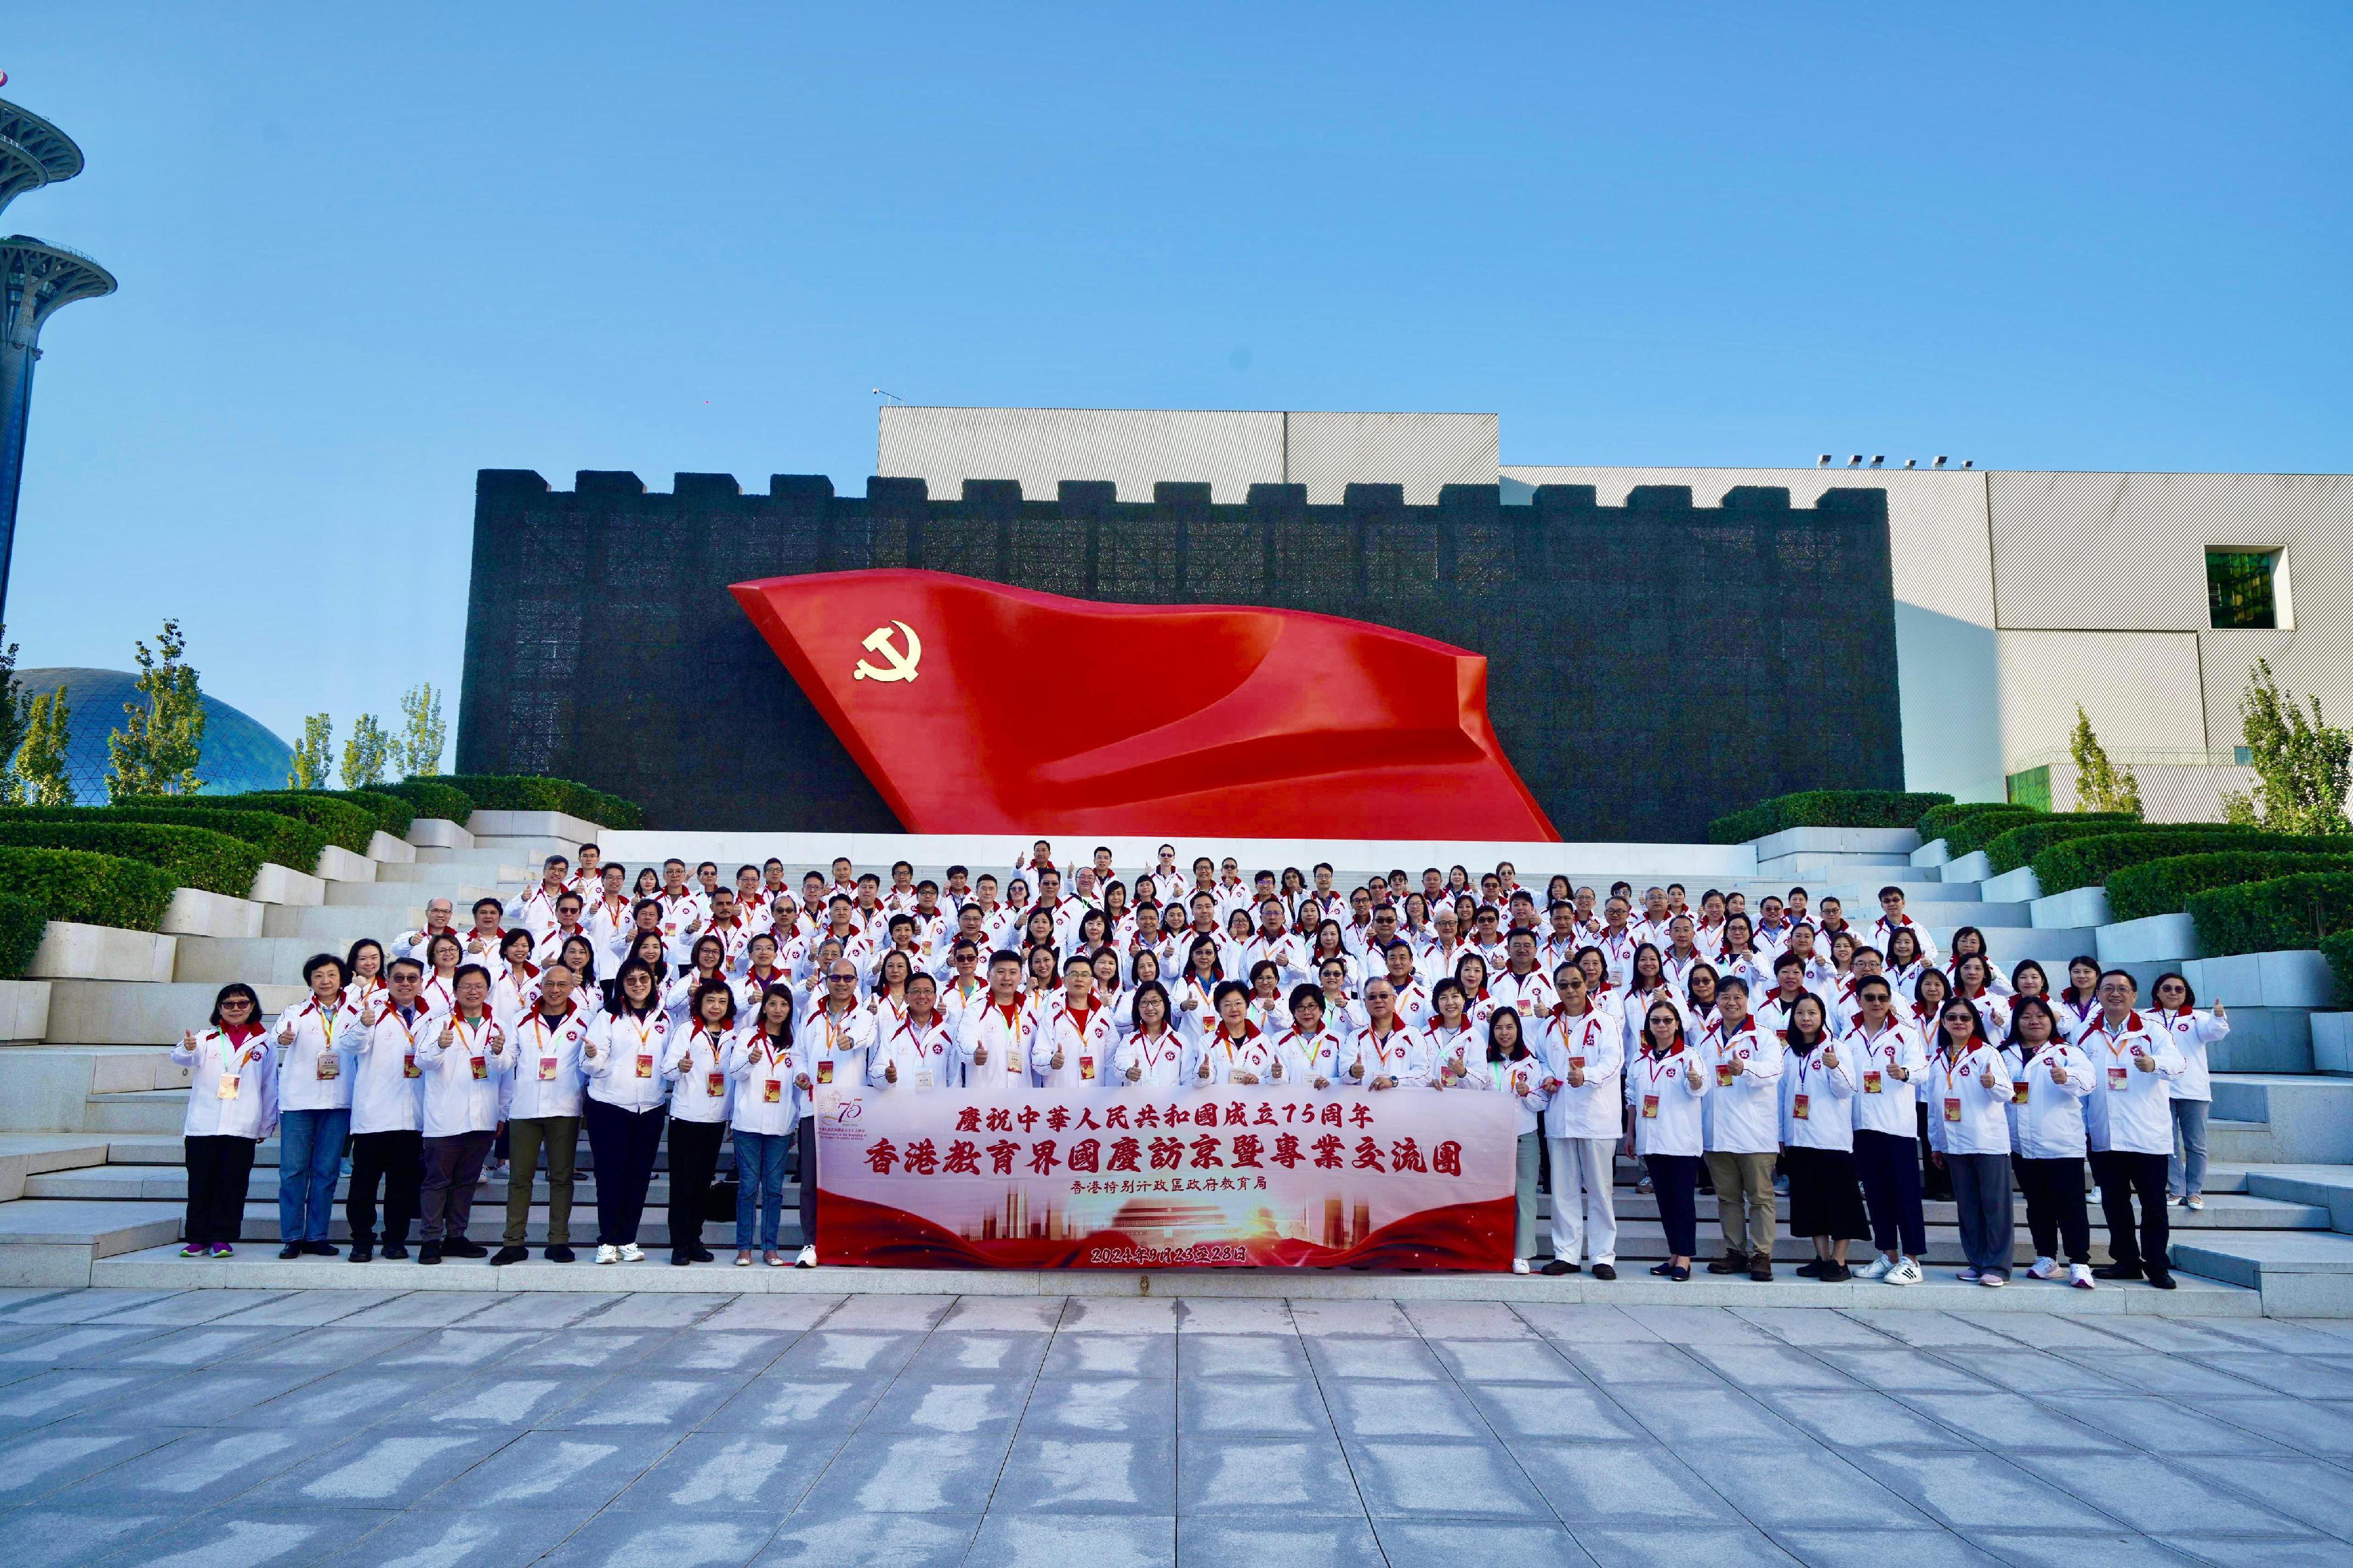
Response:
column 901, row 666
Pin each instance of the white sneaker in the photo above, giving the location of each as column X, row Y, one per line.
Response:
column 1969, row 1276
column 608, row 1254
column 1519, row 1266
column 1905, row 1272
column 631, row 1253
column 2195, row 1204
column 1995, row 1281
column 2043, row 1269
column 807, row 1259
column 2080, row 1275
column 1877, row 1268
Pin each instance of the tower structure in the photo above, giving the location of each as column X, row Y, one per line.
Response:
column 35, row 279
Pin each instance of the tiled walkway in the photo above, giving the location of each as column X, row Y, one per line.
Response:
column 439, row 1428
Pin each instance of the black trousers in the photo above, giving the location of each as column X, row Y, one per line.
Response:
column 805, row 1173
column 2121, row 1175
column 1674, row 1181
column 397, row 1160
column 623, row 1143
column 2054, row 1207
column 219, row 1170
column 1936, row 1185
column 693, row 1160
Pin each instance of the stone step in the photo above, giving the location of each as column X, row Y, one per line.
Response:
column 435, row 875
column 2300, row 1274
column 2327, row 1187
column 334, row 928
column 141, row 1013
column 257, row 961
column 2303, row 1120
column 28, row 1156
column 438, row 832
column 379, row 896
column 152, row 1111
column 55, row 1244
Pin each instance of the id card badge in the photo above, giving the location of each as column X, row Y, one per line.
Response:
column 1576, row 1062
column 481, row 1067
column 1724, row 1075
column 1871, row 1080
column 227, row 1088
column 772, row 1091
column 2119, row 1077
column 547, row 1070
column 645, row 1064
column 825, row 1071
column 2018, row 1092
column 1800, row 1107
column 1087, row 1068
column 924, row 1077
column 714, row 1084
column 1952, row 1108
column 329, row 1068
column 1650, row 1108
column 408, row 1067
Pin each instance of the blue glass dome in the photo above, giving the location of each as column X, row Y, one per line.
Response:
column 239, row 753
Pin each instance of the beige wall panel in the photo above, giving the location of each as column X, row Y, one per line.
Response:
column 2141, row 690
column 1134, row 448
column 1328, row 452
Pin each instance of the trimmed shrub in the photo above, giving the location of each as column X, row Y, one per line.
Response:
column 1940, row 820
column 2089, row 861
column 491, row 793
column 2164, row 887
column 340, row 820
column 392, row 814
column 1972, row 834
column 431, row 797
column 2017, row 845
column 1824, row 808
column 21, row 922
column 2338, row 948
column 94, row 890
column 2269, row 917
column 191, row 857
column 281, row 839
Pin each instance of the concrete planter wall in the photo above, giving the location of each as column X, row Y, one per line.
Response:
column 24, row 1009
column 195, row 912
column 2332, row 1041
column 2011, row 887
column 276, row 884
column 1935, row 852
column 2154, row 939
column 438, row 833
column 70, row 950
column 383, row 846
column 2297, row 977
column 2076, row 907
column 1873, row 841
column 337, row 864
column 532, row 825
column 106, row 1013
column 1974, row 867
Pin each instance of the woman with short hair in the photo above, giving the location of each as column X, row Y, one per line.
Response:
column 232, row 1110
column 1817, row 1087
column 702, row 1097
column 316, row 1038
column 1968, row 1128
column 765, row 1112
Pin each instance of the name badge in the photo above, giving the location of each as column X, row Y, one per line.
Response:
column 1800, row 1107
column 924, row 1077
column 1952, row 1108
column 645, row 1064
column 2018, row 1092
column 1724, row 1075
column 1576, row 1062
column 547, row 1070
column 1871, row 1080
column 825, row 1072
column 1087, row 1067
column 2119, row 1077
column 1650, row 1108
column 772, row 1091
column 227, row 1088
column 329, row 1066
column 481, row 1067
column 714, row 1083
column 408, row 1067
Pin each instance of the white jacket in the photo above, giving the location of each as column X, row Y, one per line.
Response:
column 546, row 1080
column 1666, row 1106
column 1086, row 1049
column 838, row 1045
column 768, row 1097
column 1403, row 1054
column 623, row 1059
column 1744, row 1112
column 1253, row 1054
column 232, row 1085
column 1306, row 1058
column 1594, row 1040
column 2132, row 1112
column 1006, row 1042
column 926, row 1054
column 2191, row 1033
column 1883, row 1103
column 463, row 1087
column 1165, row 1060
column 2049, row 1125
column 1815, row 1109
column 387, row 1081
column 1965, row 1116
column 314, row 1066
column 702, row 1089
column 1523, row 1079
column 1462, row 1049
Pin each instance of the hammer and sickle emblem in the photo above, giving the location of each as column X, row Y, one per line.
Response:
column 897, row 666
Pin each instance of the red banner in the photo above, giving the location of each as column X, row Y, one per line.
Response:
column 1234, row 1176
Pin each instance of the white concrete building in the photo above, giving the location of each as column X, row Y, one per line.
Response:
column 2147, row 598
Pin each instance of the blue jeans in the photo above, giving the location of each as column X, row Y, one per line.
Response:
column 2185, row 1173
column 309, row 1159
column 760, row 1161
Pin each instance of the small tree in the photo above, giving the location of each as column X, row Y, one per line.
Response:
column 41, row 761
column 365, row 754
column 312, row 757
column 418, row 748
column 156, row 750
column 16, row 710
column 2100, row 785
column 2303, row 767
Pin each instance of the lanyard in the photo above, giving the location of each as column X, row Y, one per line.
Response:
column 327, row 1017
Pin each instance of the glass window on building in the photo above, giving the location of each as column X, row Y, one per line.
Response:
column 2242, row 591
column 2030, row 789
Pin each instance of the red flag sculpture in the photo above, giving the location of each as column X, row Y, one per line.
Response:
column 976, row 707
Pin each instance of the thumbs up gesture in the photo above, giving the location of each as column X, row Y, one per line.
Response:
column 2142, row 1059
column 188, row 1039
column 1829, row 1055
column 497, row 1038
column 1134, row 1072
column 449, row 1029
column 1204, row 1069
column 286, row 1033
column 1986, row 1078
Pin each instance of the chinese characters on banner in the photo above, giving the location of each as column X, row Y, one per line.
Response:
column 1047, row 1179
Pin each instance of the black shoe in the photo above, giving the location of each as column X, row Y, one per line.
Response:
column 2117, row 1271
column 458, row 1247
column 291, row 1249
column 1814, row 1269
column 1558, row 1266
column 1679, row 1274
column 704, row 1254
column 1730, row 1263
column 681, row 1256
column 319, row 1249
column 506, row 1255
column 428, row 1252
column 559, row 1254
column 1662, row 1269
column 1604, row 1271
column 395, row 1249
column 2163, row 1281
column 1835, row 1274
column 362, row 1252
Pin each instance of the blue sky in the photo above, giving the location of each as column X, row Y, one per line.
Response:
column 368, row 251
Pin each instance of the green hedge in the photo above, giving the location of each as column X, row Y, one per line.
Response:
column 392, row 813
column 492, row 792
column 343, row 823
column 191, row 857
column 1825, row 808
column 2017, row 845
column 2267, row 916
column 2338, row 948
column 95, row 889
column 432, row 797
column 21, row 920
column 2165, row 887
column 1939, row 821
column 1973, row 833
column 283, row 839
column 2091, row 861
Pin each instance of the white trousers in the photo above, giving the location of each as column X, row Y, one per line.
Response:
column 1584, row 1213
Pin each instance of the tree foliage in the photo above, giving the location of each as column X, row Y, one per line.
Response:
column 313, row 753
column 365, row 754
column 417, row 750
column 156, row 750
column 2100, row 785
column 2303, row 766
column 15, row 715
column 41, row 759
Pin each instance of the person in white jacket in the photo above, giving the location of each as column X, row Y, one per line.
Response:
column 1665, row 1084
column 768, row 1106
column 625, row 1107
column 701, row 1097
column 232, row 1110
column 542, row 1110
column 316, row 1040
column 1743, row 1128
column 916, row 1050
column 388, row 1114
column 1510, row 1066
column 1237, row 1050
column 1817, row 1084
column 2050, row 1081
column 2191, row 1032
column 1310, row 1052
column 1074, row 1040
column 1584, row 1052
column 465, row 1058
column 993, row 1039
column 1155, row 1055
column 1969, row 1089
column 1889, row 1062
column 2128, row 1120
column 1387, row 1052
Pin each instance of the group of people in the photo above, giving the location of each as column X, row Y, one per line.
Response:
column 1855, row 1066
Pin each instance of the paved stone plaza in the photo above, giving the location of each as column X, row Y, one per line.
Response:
column 241, row 1428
